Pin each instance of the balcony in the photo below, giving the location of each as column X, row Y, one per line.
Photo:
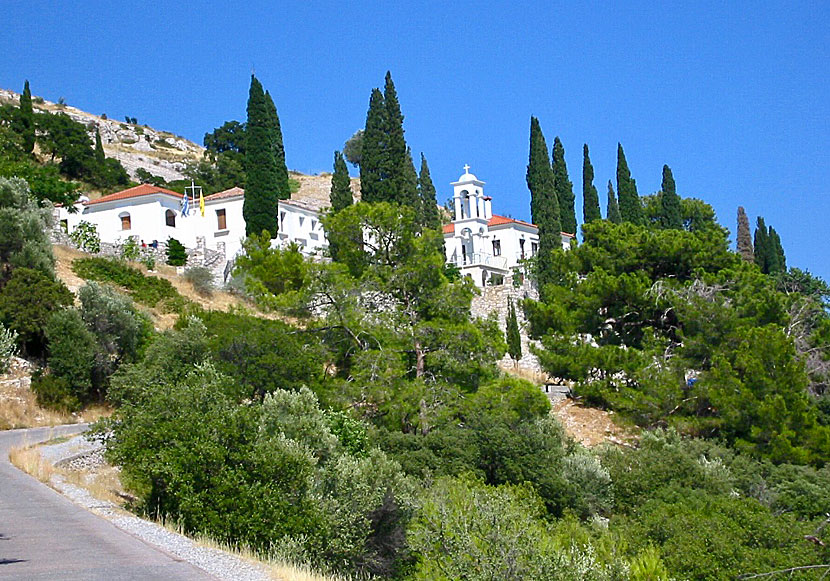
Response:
column 481, row 259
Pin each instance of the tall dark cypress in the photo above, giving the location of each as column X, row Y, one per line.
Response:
column 429, row 214
column 590, row 197
column 99, row 147
column 261, row 190
column 283, row 188
column 401, row 167
column 762, row 245
column 512, row 334
column 631, row 208
column 341, row 191
column 612, row 211
column 27, row 119
column 777, row 262
column 671, row 216
column 540, row 178
column 374, row 175
column 744, row 236
column 564, row 188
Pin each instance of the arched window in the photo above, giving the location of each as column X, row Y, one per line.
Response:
column 125, row 221
column 170, row 218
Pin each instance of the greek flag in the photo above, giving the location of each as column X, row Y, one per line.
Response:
column 185, row 205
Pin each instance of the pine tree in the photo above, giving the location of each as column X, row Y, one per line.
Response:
column 564, row 188
column 671, row 217
column 99, row 147
column 373, row 171
column 341, row 191
column 744, row 236
column 27, row 119
column 278, row 149
column 540, row 177
column 260, row 206
column 612, row 212
column 514, row 338
column 429, row 215
column 761, row 245
column 631, row 208
column 590, row 197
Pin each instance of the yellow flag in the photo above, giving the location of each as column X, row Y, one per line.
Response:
column 202, row 203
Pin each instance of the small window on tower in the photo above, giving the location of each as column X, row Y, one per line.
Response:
column 221, row 223
column 496, row 247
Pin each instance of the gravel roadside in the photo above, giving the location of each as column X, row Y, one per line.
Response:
column 80, row 451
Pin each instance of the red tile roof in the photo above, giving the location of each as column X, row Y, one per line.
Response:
column 231, row 193
column 497, row 220
column 136, row 192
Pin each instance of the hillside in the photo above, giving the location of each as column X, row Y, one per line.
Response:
column 163, row 153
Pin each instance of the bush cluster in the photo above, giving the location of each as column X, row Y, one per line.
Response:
column 147, row 290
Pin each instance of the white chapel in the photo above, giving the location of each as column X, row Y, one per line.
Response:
column 485, row 246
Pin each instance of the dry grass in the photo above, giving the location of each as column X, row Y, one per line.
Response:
column 103, row 483
column 19, row 408
column 29, row 460
column 533, row 376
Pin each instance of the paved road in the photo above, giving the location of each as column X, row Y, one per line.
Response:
column 45, row 536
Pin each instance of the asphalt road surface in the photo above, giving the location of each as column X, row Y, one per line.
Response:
column 45, row 536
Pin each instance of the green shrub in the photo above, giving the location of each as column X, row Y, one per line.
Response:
column 26, row 304
column 201, row 278
column 72, row 351
column 54, row 393
column 130, row 249
column 85, row 237
column 147, row 290
column 176, row 253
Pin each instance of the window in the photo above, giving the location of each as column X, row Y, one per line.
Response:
column 125, row 221
column 496, row 247
column 221, row 223
column 170, row 218
column 522, row 248
column 282, row 220
column 313, row 224
column 302, row 219
column 534, row 248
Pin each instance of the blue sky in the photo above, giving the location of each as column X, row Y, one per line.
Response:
column 731, row 95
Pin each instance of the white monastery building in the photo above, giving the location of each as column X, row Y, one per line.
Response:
column 151, row 214
column 482, row 245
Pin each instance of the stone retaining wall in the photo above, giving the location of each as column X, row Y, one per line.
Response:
column 494, row 299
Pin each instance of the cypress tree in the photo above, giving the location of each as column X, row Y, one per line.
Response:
column 373, row 173
column 260, row 206
column 401, row 168
column 99, row 147
column 612, row 212
column 27, row 119
column 341, row 191
column 590, row 197
column 278, row 149
column 744, row 236
column 540, row 178
column 430, row 216
column 761, row 245
column 564, row 188
column 631, row 208
column 777, row 260
column 514, row 338
column 671, row 216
